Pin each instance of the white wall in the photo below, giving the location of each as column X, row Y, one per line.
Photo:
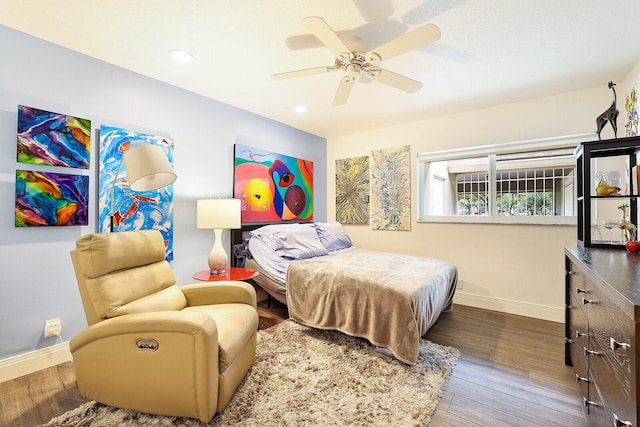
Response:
column 512, row 268
column 36, row 276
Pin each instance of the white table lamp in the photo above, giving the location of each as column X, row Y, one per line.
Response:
column 147, row 168
column 216, row 215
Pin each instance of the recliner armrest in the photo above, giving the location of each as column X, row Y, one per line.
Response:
column 146, row 324
column 222, row 292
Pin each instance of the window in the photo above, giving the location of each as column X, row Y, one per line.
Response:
column 472, row 194
column 521, row 182
column 437, row 195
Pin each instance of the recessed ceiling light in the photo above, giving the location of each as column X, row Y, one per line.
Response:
column 180, row 55
column 301, row 109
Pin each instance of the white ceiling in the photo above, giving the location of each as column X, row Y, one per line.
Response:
column 491, row 51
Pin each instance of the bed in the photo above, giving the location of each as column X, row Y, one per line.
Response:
column 328, row 283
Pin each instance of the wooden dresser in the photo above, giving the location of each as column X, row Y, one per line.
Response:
column 602, row 314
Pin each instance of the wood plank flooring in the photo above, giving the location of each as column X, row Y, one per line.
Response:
column 511, row 373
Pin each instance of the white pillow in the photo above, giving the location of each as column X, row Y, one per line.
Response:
column 333, row 236
column 267, row 233
column 291, row 241
column 299, row 244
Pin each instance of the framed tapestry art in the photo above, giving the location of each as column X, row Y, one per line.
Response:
column 391, row 189
column 132, row 210
column 272, row 187
column 54, row 139
column 45, row 198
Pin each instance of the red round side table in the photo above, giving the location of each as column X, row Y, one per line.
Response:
column 232, row 273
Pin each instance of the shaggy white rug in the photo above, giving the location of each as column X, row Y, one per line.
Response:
column 307, row 377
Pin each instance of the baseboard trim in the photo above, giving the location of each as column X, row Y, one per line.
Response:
column 521, row 308
column 23, row 364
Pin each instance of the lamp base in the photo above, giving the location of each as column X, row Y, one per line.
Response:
column 218, row 258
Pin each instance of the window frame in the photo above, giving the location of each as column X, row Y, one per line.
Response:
column 552, row 143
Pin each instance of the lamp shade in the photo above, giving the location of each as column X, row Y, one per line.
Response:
column 147, row 168
column 218, row 213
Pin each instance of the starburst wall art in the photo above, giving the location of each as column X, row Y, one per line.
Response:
column 352, row 190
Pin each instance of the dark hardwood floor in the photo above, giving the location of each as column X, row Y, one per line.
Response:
column 511, row 373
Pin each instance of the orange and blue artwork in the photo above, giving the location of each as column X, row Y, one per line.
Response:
column 47, row 138
column 272, row 187
column 49, row 199
column 132, row 210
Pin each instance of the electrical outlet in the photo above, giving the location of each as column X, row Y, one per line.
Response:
column 52, row 328
column 460, row 285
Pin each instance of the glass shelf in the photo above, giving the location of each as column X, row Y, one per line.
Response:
column 613, row 161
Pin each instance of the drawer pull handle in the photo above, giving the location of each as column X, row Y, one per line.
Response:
column 588, row 301
column 571, row 272
column 579, row 378
column 581, row 291
column 620, row 423
column 580, row 334
column 616, row 345
column 588, row 402
column 588, row 352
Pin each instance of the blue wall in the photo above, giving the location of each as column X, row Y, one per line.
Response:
column 36, row 276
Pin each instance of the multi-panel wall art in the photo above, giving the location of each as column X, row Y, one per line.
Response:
column 132, row 210
column 45, row 198
column 391, row 189
column 47, row 138
column 272, row 187
column 352, row 190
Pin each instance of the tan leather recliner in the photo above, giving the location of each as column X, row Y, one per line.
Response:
column 151, row 345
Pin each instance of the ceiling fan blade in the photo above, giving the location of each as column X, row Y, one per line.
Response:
column 326, row 35
column 344, row 90
column 413, row 39
column 302, row 73
column 396, row 80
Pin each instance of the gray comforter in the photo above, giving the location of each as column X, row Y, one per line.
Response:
column 389, row 299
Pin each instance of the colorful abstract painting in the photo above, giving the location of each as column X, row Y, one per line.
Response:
column 391, row 189
column 47, row 138
column 45, row 198
column 272, row 187
column 352, row 190
column 132, row 210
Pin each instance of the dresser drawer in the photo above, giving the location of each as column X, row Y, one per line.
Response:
column 578, row 333
column 597, row 413
column 614, row 388
column 577, row 282
column 610, row 353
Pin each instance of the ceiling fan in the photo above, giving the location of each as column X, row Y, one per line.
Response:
column 353, row 62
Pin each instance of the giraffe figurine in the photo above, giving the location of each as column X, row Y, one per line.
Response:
column 610, row 115
column 625, row 225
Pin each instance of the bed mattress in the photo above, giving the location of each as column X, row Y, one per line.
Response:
column 390, row 299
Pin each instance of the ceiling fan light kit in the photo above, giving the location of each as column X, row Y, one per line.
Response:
column 354, row 62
